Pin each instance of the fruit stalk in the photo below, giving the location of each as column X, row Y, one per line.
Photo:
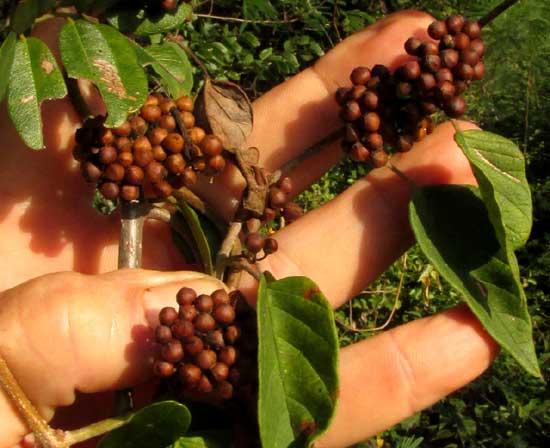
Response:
column 131, row 234
column 492, row 15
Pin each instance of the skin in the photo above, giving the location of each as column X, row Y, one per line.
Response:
column 72, row 331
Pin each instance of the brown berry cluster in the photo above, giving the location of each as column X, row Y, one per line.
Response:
column 198, row 344
column 385, row 108
column 279, row 202
column 147, row 155
column 256, row 243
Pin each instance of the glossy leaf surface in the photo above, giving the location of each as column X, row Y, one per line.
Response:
column 298, row 359
column 155, row 426
column 104, row 56
column 452, row 226
column 34, row 77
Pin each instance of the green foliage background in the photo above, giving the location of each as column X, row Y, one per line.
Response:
column 505, row 407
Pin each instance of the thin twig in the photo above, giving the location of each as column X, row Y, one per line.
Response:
column 394, row 308
column 94, row 430
column 314, row 150
column 251, row 21
column 188, row 143
column 227, row 247
column 46, row 435
column 492, row 15
column 191, row 54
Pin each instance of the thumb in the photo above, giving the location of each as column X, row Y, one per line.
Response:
column 69, row 332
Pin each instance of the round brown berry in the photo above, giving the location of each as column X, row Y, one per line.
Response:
column 462, row 41
column 455, row 23
column 167, row 122
column 413, row 46
column 374, row 141
column 379, row 158
column 163, row 189
column 220, row 297
column 291, row 212
column 228, row 355
column 139, row 125
column 173, row 142
column 185, row 103
column 472, row 29
column 206, row 359
column 125, row 158
column 437, row 29
column 204, row 303
column 219, row 371
column 431, row 63
column 167, row 105
column 129, row 193
column 370, row 100
column 183, row 329
column 456, row 107
column 109, row 190
column 156, row 136
column 155, row 172
column 270, row 245
column 342, row 95
column 479, row 71
column 186, row 296
column 371, row 121
column 189, row 374
column 224, row 314
column 449, row 58
column 188, row 312
column 204, row 385
column 151, row 113
column 426, row 82
column 360, row 75
column 188, row 119
column 444, row 74
column 189, row 177
column 115, row 172
column 351, row 111
column 124, row 130
column 197, row 135
column 232, row 334
column 359, row 153
column 204, row 322
column 410, row 70
column 254, row 242
column 216, row 164
column 163, row 369
column 194, row 345
column 163, row 334
column 175, row 163
column 90, row 172
column 172, row 351
column 168, row 315
column 405, row 143
column 214, row 339
column 478, row 46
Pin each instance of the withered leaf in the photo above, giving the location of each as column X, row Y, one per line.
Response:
column 224, row 109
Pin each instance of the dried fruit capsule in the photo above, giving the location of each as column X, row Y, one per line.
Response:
column 157, row 135
column 469, row 57
column 216, row 164
column 206, row 359
column 351, row 111
column 456, row 107
column 462, row 41
column 371, row 121
column 139, row 125
column 291, row 212
column 167, row 122
column 125, row 158
column 197, row 135
column 444, row 74
column 479, row 71
column 189, row 177
column 214, row 339
column 449, row 58
column 374, row 141
column 472, row 29
column 426, row 82
column 431, row 63
column 204, row 385
column 464, row 72
column 124, row 130
column 232, row 334
column 455, row 23
column 172, row 351
column 155, row 172
column 429, row 48
column 188, row 119
column 478, row 46
column 175, row 163
column 410, row 70
column 204, row 303
column 370, row 100
column 379, row 158
column 167, row 105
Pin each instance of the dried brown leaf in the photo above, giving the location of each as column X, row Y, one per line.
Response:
column 224, row 109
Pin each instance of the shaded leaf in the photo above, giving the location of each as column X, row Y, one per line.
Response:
column 204, row 439
column 104, row 56
column 499, row 167
column 103, row 205
column 155, row 426
column 259, row 9
column 34, row 77
column 27, row 11
column 170, row 62
column 204, row 235
column 6, row 56
column 224, row 108
column 298, row 358
column 452, row 226
column 140, row 23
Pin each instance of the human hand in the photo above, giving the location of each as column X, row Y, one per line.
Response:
column 360, row 233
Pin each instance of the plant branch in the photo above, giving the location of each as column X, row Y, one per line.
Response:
column 395, row 302
column 46, row 435
column 227, row 247
column 498, row 10
column 94, row 430
column 251, row 21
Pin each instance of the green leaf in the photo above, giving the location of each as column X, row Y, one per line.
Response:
column 204, row 439
column 499, row 167
column 34, row 77
column 6, row 56
column 170, row 62
column 298, row 362
column 139, row 23
column 205, row 236
column 155, row 426
column 104, row 56
column 452, row 227
column 27, row 11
